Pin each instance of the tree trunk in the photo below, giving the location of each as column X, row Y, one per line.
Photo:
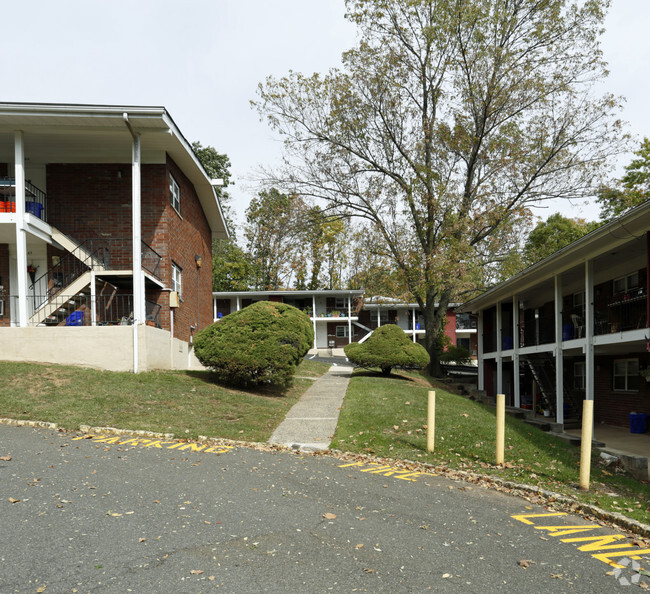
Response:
column 435, row 319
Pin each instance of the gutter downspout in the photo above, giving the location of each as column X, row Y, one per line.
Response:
column 138, row 279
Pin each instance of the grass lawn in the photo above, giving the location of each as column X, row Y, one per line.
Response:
column 185, row 403
column 387, row 417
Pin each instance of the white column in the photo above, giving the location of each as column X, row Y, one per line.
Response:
column 559, row 353
column 481, row 367
column 499, row 351
column 138, row 278
column 21, row 237
column 515, row 351
column 93, row 299
column 238, row 303
column 589, row 330
column 349, row 319
column 313, row 316
column 413, row 325
column 214, row 308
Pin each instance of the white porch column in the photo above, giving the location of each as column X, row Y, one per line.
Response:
column 214, row 308
column 589, row 330
column 515, row 351
column 559, row 353
column 481, row 367
column 238, row 303
column 499, row 352
column 21, row 237
column 413, row 326
column 313, row 316
column 93, row 299
column 349, row 320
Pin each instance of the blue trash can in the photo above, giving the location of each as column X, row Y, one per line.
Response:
column 638, row 422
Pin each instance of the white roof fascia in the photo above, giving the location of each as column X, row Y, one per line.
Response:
column 601, row 240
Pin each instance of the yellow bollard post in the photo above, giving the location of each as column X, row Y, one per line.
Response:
column 431, row 421
column 501, row 426
column 585, row 443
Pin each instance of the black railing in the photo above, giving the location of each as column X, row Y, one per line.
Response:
column 35, row 199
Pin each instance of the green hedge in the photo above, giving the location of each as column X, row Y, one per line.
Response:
column 388, row 347
column 260, row 344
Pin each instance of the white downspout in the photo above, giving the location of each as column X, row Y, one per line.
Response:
column 313, row 314
column 349, row 320
column 21, row 234
column 138, row 279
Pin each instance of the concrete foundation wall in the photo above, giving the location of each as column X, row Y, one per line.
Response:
column 106, row 347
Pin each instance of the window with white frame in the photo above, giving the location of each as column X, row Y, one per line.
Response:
column 375, row 315
column 626, row 375
column 579, row 375
column 174, row 194
column 626, row 283
column 177, row 273
column 341, row 303
column 341, row 331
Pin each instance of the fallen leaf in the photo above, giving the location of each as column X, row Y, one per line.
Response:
column 329, row 516
column 464, row 415
column 525, row 563
column 142, row 540
column 12, row 500
column 41, row 589
column 446, row 575
column 368, row 570
column 196, row 571
column 211, row 578
column 359, row 546
column 113, row 514
column 5, row 458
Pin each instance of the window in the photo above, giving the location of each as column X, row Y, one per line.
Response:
column 626, row 375
column 341, row 331
column 374, row 316
column 174, row 194
column 463, row 343
column 176, row 278
column 341, row 303
column 626, row 283
column 579, row 375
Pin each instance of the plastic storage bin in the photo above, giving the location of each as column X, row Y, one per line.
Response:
column 76, row 318
column 638, row 422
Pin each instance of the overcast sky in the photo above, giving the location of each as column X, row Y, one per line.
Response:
column 203, row 60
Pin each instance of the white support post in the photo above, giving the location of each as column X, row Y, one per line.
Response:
column 500, row 389
column 413, row 324
column 214, row 308
column 238, row 303
column 21, row 237
column 313, row 316
column 559, row 353
column 515, row 351
column 349, row 320
column 589, row 330
column 481, row 367
column 93, row 299
column 138, row 278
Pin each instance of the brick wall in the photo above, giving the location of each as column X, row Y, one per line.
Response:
column 613, row 408
column 89, row 201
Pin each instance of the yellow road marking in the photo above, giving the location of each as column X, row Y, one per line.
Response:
column 387, row 470
column 594, row 543
column 158, row 443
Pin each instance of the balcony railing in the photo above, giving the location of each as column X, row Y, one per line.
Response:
column 76, row 310
column 35, row 199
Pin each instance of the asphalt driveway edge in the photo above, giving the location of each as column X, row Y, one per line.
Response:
column 527, row 492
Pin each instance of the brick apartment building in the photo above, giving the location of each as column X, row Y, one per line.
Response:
column 80, row 186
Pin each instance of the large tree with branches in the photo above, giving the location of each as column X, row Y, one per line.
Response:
column 444, row 125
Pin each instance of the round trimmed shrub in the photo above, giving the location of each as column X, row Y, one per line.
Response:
column 260, row 344
column 388, row 347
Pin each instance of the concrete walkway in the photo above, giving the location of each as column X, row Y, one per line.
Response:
column 311, row 422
